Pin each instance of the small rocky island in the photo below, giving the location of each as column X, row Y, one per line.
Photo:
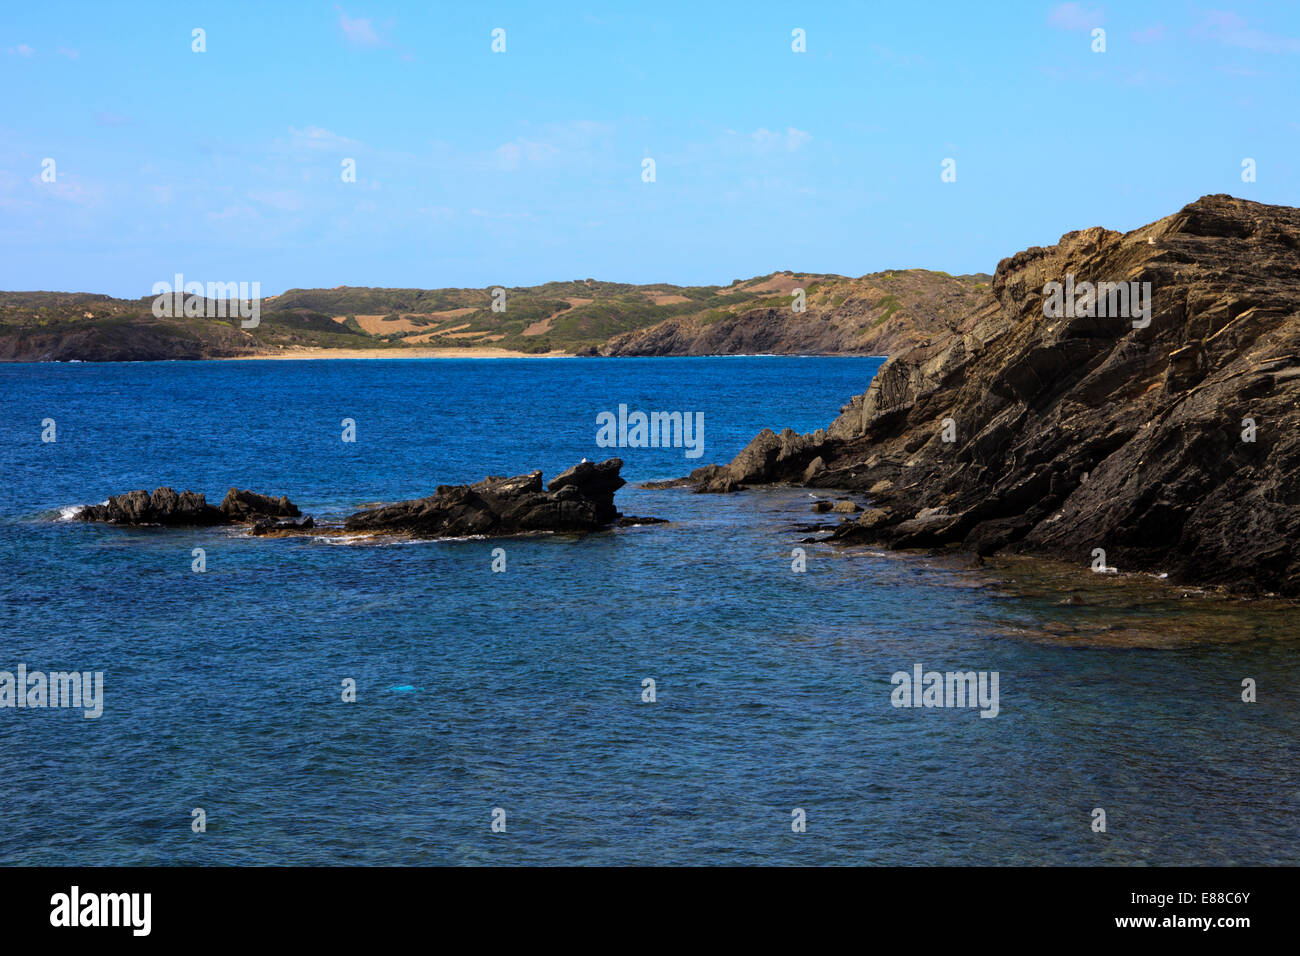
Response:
column 578, row 500
column 168, row 508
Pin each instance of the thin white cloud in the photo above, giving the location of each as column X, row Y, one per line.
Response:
column 552, row 143
column 501, row 216
column 286, row 200
column 514, row 154
column 1073, row 16
column 791, row 140
column 1231, row 29
column 230, row 213
column 317, row 139
column 21, row 49
column 359, row 32
column 70, row 189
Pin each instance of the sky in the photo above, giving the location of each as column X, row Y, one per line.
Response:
column 479, row 168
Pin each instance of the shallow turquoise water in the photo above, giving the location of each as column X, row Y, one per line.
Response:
column 522, row 690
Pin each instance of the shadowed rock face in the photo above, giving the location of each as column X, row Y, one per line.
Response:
column 250, row 506
column 166, row 507
column 871, row 315
column 1076, row 433
column 163, row 507
column 580, row 499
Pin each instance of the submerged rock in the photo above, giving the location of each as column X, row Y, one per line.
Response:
column 267, row 527
column 579, row 499
column 634, row 521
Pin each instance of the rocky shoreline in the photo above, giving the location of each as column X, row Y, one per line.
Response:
column 1166, row 443
column 577, row 501
column 1162, row 436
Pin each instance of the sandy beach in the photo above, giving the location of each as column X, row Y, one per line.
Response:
column 403, row 353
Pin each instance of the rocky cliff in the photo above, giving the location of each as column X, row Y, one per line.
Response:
column 1076, row 426
column 876, row 314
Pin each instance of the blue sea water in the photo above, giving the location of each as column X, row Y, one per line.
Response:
column 522, row 690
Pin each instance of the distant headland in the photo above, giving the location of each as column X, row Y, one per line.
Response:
column 780, row 313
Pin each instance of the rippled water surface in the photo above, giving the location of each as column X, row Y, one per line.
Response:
column 523, row 690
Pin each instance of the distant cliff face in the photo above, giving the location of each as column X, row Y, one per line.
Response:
column 874, row 315
column 1166, row 441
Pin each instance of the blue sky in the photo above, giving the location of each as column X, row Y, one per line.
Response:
column 477, row 168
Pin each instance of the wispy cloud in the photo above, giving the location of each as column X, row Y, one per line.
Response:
column 70, row 189
column 1232, row 29
column 790, row 140
column 359, row 31
column 501, row 216
column 285, row 200
column 515, row 154
column 69, row 53
column 317, row 139
column 21, row 49
column 1153, row 34
column 1073, row 16
column 550, row 144
column 889, row 55
column 233, row 212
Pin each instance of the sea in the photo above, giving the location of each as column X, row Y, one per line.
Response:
column 720, row 689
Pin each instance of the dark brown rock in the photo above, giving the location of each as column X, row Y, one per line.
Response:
column 1085, row 432
column 577, row 500
column 249, row 506
column 164, row 507
column 270, row 526
column 189, row 509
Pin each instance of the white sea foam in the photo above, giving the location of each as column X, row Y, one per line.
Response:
column 71, row 511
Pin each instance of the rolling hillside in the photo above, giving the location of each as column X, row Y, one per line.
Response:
column 869, row 315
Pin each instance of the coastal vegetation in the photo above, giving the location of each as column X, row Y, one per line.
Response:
column 583, row 316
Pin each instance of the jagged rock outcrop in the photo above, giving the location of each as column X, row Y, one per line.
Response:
column 768, row 457
column 577, row 500
column 1171, row 444
column 163, row 507
column 250, row 506
column 168, row 508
